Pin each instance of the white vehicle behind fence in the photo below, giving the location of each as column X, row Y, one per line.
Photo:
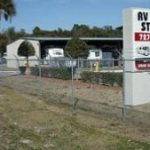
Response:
column 54, row 53
column 95, row 54
column 55, row 58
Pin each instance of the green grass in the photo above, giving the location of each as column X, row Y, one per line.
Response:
column 28, row 123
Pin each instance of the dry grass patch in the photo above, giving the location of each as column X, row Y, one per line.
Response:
column 29, row 123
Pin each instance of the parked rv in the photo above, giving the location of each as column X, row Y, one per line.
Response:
column 95, row 54
column 55, row 58
column 54, row 53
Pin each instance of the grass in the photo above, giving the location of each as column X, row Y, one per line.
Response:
column 29, row 123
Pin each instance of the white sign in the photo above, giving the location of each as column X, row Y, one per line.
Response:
column 136, row 36
column 141, row 29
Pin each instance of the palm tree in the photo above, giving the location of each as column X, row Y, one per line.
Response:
column 7, row 9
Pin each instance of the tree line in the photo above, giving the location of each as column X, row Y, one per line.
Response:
column 80, row 31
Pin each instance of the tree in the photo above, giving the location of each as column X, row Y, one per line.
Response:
column 36, row 31
column 80, row 30
column 7, row 9
column 22, row 33
column 120, row 28
column 26, row 49
column 11, row 34
column 108, row 27
column 3, row 43
column 77, row 48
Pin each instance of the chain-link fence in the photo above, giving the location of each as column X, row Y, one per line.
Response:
column 59, row 81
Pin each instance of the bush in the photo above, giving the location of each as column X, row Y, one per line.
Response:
column 22, row 69
column 108, row 78
column 59, row 73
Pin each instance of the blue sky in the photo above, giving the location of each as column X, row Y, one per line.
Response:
column 51, row 14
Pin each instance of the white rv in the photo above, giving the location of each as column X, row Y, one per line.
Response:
column 95, row 54
column 54, row 53
column 55, row 58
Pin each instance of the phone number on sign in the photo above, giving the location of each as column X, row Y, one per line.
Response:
column 139, row 36
column 142, row 66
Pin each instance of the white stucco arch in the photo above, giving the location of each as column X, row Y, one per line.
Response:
column 14, row 61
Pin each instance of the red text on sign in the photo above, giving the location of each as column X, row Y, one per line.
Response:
column 140, row 36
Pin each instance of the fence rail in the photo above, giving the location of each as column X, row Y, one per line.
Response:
column 68, row 62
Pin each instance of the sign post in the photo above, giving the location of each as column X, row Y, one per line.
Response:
column 136, row 36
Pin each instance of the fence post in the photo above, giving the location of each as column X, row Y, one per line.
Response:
column 78, row 63
column 113, row 64
column 17, row 62
column 123, row 87
column 123, row 91
column 72, row 80
column 40, row 75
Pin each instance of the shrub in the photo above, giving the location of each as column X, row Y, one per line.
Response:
column 108, row 78
column 59, row 73
column 22, row 69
